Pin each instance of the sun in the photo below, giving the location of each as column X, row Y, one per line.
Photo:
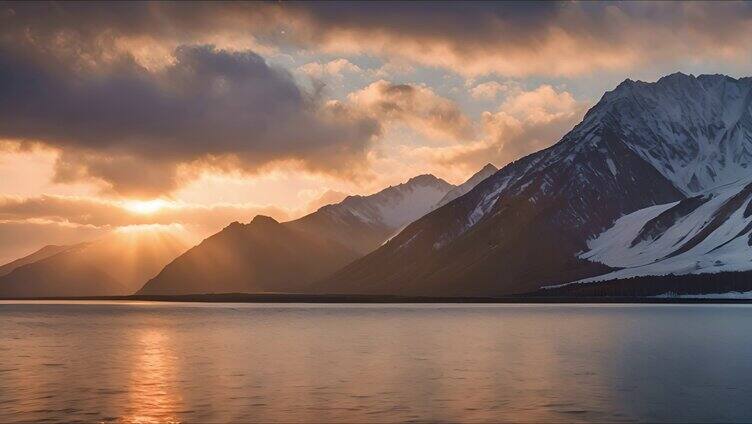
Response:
column 145, row 207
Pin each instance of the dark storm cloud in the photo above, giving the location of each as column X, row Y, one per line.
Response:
column 208, row 104
column 464, row 20
column 541, row 38
column 161, row 19
column 512, row 38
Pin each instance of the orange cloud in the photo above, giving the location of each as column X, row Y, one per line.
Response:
column 524, row 123
column 414, row 105
column 102, row 213
column 334, row 68
column 491, row 89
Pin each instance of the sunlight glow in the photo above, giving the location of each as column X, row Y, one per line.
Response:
column 150, row 228
column 145, row 207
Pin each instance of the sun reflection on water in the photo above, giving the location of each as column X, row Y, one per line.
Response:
column 151, row 396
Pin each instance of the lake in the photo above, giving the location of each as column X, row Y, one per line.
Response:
column 143, row 362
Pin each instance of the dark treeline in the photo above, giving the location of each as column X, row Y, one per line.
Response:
column 721, row 282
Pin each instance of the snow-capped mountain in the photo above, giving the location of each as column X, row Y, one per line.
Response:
column 642, row 145
column 267, row 256
column 364, row 222
column 468, row 185
column 697, row 132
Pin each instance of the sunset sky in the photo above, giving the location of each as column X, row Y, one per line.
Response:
column 193, row 115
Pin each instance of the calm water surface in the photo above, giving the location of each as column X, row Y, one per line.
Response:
column 143, row 362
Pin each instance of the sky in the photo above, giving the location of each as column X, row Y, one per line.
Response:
column 188, row 116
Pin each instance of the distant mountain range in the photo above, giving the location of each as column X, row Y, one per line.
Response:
column 268, row 256
column 118, row 264
column 650, row 193
column 40, row 254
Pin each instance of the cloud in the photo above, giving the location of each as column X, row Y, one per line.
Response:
column 414, row 105
column 472, row 38
column 133, row 96
column 110, row 214
column 525, row 122
column 520, row 39
column 491, row 89
column 335, row 69
column 142, row 131
column 94, row 35
column 391, row 69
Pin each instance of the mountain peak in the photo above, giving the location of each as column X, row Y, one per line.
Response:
column 488, row 168
column 263, row 220
column 424, row 179
column 234, row 225
column 468, row 185
column 676, row 76
column 693, row 129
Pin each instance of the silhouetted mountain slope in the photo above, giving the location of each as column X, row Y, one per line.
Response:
column 40, row 254
column 115, row 265
column 262, row 256
column 643, row 144
column 266, row 256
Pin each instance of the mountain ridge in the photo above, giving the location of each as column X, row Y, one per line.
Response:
column 634, row 149
column 475, row 179
column 116, row 264
column 316, row 244
column 44, row 252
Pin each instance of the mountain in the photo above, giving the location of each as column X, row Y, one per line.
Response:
column 468, row 185
column 117, row 264
column 268, row 256
column 642, row 145
column 262, row 256
column 40, row 254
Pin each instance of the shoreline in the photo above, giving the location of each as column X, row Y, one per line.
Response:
column 377, row 299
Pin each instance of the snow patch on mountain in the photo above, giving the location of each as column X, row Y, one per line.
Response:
column 395, row 206
column 714, row 237
column 411, row 205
